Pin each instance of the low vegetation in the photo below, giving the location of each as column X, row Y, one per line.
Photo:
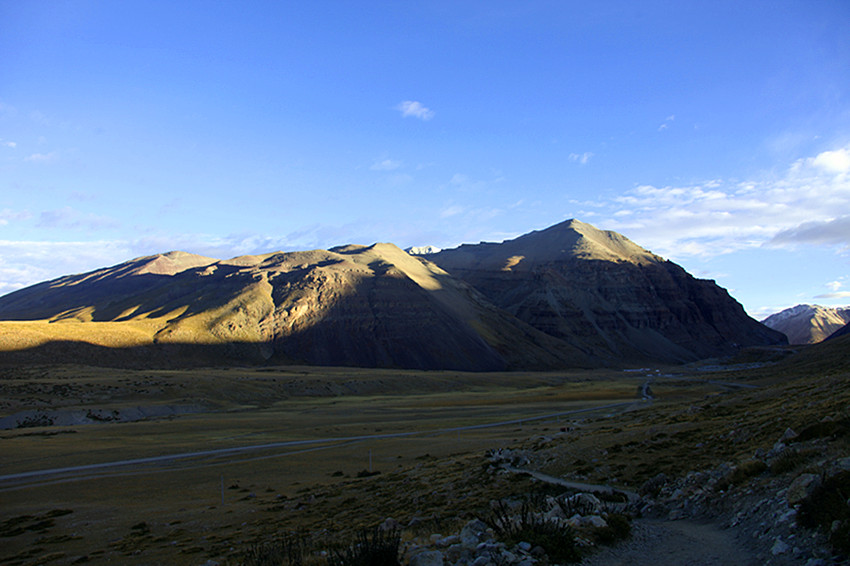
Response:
column 427, row 484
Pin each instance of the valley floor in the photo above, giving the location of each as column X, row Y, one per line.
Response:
column 411, row 446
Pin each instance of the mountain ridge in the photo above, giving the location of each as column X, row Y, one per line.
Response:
column 566, row 296
column 574, row 280
column 354, row 305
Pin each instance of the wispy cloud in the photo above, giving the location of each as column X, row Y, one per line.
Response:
column 8, row 144
column 412, row 108
column 829, row 232
column 8, row 215
column 68, row 217
column 451, row 210
column 664, row 125
column 809, row 203
column 835, row 288
column 838, row 295
column 386, row 165
column 7, row 109
column 41, row 157
column 24, row 263
column 582, row 158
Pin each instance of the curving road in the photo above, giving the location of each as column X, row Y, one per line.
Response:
column 72, row 472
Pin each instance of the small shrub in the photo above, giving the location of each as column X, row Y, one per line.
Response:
column 747, row 470
column 367, row 473
column 558, row 541
column 741, row 473
column 788, row 461
column 374, row 547
column 286, row 551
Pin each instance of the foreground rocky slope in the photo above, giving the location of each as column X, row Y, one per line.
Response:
column 599, row 290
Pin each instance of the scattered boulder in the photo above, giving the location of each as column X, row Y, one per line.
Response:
column 801, row 488
column 779, row 547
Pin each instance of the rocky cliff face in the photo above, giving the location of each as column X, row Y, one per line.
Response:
column 370, row 306
column 808, row 324
column 607, row 296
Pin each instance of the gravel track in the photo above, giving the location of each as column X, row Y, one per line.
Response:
column 676, row 543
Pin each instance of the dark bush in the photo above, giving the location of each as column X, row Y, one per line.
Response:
column 558, row 542
column 375, row 547
column 286, row 551
column 367, row 473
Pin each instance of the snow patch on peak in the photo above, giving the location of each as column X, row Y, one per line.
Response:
column 422, row 250
column 790, row 312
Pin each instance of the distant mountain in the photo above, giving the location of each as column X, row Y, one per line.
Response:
column 808, row 324
column 566, row 296
column 373, row 306
column 606, row 295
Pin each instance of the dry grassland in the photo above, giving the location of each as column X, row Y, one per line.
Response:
column 189, row 510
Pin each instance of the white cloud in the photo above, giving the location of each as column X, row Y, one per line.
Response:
column 807, row 204
column 666, row 122
column 837, row 161
column 24, row 263
column 415, row 109
column 386, row 165
column 8, row 144
column 582, row 158
column 834, row 285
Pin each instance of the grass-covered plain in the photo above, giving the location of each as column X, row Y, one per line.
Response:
column 189, row 510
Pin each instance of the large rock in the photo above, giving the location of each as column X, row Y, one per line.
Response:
column 801, row 488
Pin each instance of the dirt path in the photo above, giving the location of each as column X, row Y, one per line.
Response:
column 674, row 543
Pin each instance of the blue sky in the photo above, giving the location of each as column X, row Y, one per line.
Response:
column 716, row 134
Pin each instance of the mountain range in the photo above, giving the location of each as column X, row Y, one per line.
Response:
column 567, row 296
column 808, row 324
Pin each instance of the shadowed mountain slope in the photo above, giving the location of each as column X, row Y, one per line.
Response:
column 373, row 306
column 598, row 289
